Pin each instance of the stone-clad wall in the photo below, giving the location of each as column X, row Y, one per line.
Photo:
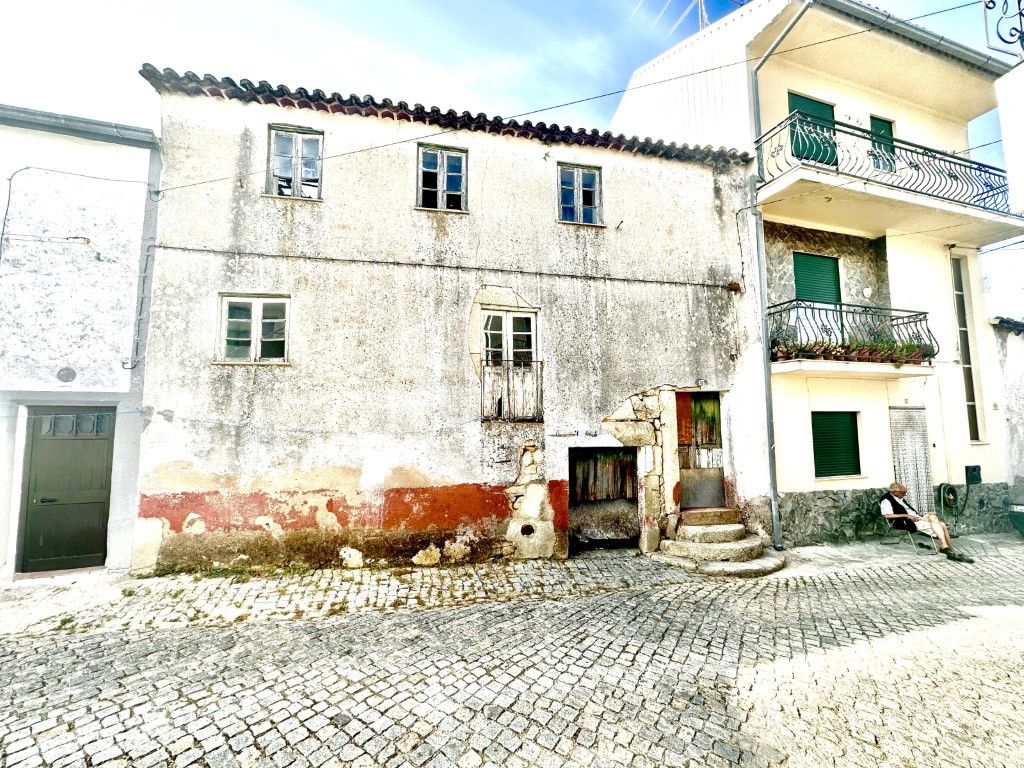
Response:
column 862, row 262
column 852, row 515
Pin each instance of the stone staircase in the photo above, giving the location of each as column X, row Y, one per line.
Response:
column 714, row 542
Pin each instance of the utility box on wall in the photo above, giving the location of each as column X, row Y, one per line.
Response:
column 972, row 473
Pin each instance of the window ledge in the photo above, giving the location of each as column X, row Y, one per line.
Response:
column 583, row 224
column 264, row 363
column 980, row 442
column 439, row 210
column 840, row 477
column 292, row 199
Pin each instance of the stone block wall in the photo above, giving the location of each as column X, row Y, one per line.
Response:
column 841, row 516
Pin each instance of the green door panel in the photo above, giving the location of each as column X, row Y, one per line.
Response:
column 67, row 488
column 817, row 278
column 813, row 133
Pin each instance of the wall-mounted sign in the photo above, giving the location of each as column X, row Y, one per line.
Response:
column 1004, row 26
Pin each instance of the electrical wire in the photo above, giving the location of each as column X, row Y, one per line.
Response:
column 574, row 102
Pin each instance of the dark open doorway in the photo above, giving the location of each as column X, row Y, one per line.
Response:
column 602, row 498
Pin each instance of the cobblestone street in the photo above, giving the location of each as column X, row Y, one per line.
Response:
column 607, row 660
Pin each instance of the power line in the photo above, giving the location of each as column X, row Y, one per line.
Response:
column 574, row 102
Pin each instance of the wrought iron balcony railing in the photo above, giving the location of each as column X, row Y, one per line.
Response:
column 808, row 329
column 805, row 141
column 512, row 390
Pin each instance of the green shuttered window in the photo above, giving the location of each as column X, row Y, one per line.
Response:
column 817, row 278
column 813, row 138
column 836, row 447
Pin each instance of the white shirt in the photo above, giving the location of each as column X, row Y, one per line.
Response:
column 886, row 508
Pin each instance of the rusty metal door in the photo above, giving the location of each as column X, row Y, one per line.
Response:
column 67, row 488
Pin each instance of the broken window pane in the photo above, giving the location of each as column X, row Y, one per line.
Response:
column 295, row 156
column 429, row 199
column 442, row 179
column 272, row 350
column 453, row 202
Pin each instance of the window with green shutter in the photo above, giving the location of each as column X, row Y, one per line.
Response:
column 813, row 133
column 817, row 278
column 836, row 447
column 883, row 148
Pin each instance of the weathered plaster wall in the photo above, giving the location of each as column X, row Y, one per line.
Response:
column 1011, row 358
column 862, row 263
column 68, row 285
column 374, row 423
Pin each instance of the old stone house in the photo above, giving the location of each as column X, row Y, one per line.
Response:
column 407, row 328
column 884, row 363
column 73, row 249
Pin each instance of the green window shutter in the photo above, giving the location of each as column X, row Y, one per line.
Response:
column 817, row 278
column 836, row 447
column 815, row 138
column 882, row 145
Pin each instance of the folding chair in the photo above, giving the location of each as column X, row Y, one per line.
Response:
column 894, row 535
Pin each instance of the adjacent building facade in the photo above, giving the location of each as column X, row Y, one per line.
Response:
column 73, row 247
column 409, row 329
column 884, row 365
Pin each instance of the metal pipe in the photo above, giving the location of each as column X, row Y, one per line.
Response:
column 755, row 92
column 762, row 278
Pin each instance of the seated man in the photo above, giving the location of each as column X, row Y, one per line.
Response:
column 904, row 517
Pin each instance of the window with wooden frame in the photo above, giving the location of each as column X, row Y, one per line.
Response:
column 511, row 374
column 441, row 180
column 295, row 163
column 579, row 194
column 254, row 329
column 836, row 443
column 960, row 291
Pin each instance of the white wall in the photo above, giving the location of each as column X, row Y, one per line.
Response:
column 68, row 285
column 1010, row 93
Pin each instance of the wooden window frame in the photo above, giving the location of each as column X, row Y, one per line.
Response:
column 297, row 135
column 256, row 340
column 507, row 334
column 577, row 200
column 442, row 177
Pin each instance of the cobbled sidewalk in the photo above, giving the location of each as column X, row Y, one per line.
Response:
column 609, row 660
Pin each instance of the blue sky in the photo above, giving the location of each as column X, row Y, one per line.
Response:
column 496, row 56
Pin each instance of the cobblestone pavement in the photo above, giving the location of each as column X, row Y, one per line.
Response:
column 610, row 660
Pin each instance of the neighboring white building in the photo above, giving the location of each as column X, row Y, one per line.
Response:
column 401, row 327
column 886, row 365
column 76, row 223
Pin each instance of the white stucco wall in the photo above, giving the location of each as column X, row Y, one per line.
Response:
column 1011, row 356
column 68, row 284
column 381, row 391
column 1010, row 93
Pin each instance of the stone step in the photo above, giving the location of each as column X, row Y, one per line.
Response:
column 746, row 548
column 769, row 562
column 711, row 534
column 710, row 516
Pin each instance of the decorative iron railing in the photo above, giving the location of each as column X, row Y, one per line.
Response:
column 805, row 141
column 808, row 329
column 511, row 390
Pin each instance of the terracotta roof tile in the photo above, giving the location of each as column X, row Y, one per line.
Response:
column 190, row 84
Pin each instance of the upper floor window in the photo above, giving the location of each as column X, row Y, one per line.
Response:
column 254, row 329
column 442, row 178
column 579, row 194
column 883, row 145
column 296, row 161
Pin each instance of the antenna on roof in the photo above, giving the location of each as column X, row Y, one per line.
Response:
column 702, row 15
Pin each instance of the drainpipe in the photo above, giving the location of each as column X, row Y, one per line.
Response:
column 754, row 89
column 762, row 275
column 762, row 279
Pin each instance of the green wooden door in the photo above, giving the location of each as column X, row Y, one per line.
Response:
column 817, row 278
column 883, row 146
column 67, row 488
column 813, row 134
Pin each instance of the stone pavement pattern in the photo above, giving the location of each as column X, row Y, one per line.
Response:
column 610, row 660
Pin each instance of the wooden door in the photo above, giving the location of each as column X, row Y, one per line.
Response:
column 67, row 488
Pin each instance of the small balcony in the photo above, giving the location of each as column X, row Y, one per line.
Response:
column 512, row 390
column 807, row 330
column 851, row 151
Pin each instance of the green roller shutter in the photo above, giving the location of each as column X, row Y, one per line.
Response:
column 817, row 278
column 813, row 138
column 836, row 448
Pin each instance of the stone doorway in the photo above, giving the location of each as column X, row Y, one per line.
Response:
column 603, row 499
